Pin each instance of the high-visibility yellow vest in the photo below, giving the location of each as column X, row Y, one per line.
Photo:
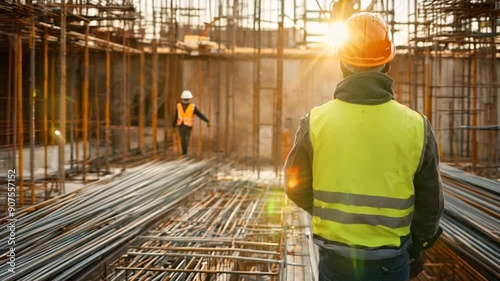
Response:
column 185, row 117
column 365, row 158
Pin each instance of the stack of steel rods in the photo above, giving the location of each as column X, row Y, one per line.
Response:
column 70, row 234
column 231, row 232
column 471, row 218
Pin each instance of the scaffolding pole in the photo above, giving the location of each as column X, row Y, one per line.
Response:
column 62, row 100
column 154, row 95
column 85, row 105
column 32, row 100
column 20, row 127
column 45, row 105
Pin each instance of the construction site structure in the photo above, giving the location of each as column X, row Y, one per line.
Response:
column 92, row 84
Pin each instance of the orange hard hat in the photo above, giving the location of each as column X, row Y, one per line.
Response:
column 368, row 41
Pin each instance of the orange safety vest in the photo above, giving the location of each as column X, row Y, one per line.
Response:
column 186, row 117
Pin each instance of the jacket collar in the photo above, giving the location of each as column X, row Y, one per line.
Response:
column 367, row 88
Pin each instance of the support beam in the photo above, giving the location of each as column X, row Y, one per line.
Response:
column 428, row 93
column 32, row 100
column 62, row 100
column 20, row 127
column 279, row 90
column 46, row 131
column 141, row 102
column 107, row 121
column 474, row 111
column 154, row 95
column 200, row 104
column 85, row 106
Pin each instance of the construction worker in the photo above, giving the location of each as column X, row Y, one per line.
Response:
column 184, row 119
column 367, row 168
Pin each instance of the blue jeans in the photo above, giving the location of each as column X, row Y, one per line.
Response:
column 333, row 267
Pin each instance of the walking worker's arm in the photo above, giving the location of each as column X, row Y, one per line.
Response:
column 200, row 115
column 429, row 202
column 174, row 122
column 298, row 168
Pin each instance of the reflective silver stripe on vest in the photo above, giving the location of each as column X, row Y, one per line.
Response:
column 367, row 219
column 363, row 200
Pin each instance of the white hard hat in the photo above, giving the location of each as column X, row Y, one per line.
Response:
column 186, row 95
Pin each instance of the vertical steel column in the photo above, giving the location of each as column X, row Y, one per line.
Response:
column 474, row 110
column 85, row 105
column 279, row 90
column 11, row 94
column 123, row 109
column 200, row 99
column 33, row 108
column 20, row 127
column 53, row 98
column 256, row 87
column 154, row 94
column 192, row 79
column 73, row 113
column 45, row 104
column 129, row 101
column 494, row 135
column 218, row 119
column 209, row 98
column 439, row 105
column 141, row 101
column 229, row 70
column 428, row 94
column 97, row 119
column 62, row 100
column 107, row 133
column 167, row 82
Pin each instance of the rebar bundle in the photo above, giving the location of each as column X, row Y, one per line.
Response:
column 232, row 232
column 471, row 218
column 71, row 234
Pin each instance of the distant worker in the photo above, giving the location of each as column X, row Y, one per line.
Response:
column 367, row 168
column 184, row 119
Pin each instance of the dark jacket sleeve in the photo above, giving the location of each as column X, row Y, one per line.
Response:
column 429, row 202
column 175, row 119
column 298, row 168
column 200, row 115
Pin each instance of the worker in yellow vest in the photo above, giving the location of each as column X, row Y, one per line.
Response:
column 184, row 119
column 367, row 168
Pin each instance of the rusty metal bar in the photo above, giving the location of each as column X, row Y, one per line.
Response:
column 166, row 103
column 428, row 93
column 193, row 88
column 123, row 112
column 107, row 121
column 97, row 120
column 85, row 106
column 278, row 124
column 32, row 100
column 53, row 98
column 141, row 101
column 209, row 98
column 154, row 95
column 62, row 99
column 45, row 104
column 11, row 98
column 20, row 127
column 128, row 101
column 200, row 104
column 474, row 111
column 256, row 87
column 73, row 113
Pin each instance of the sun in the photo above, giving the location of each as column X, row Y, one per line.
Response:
column 335, row 33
